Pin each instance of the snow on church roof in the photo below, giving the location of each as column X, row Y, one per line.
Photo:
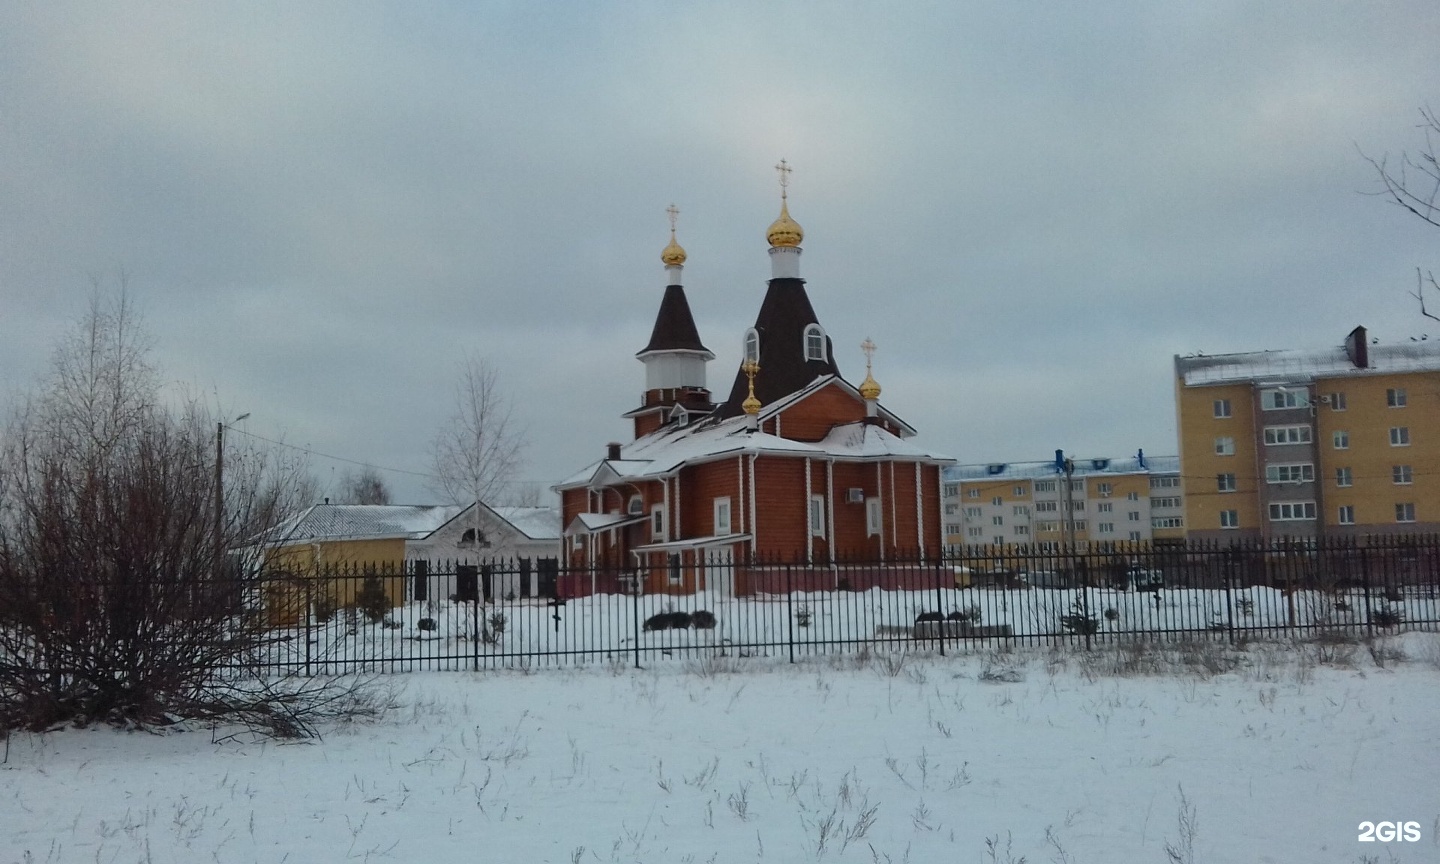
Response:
column 668, row 449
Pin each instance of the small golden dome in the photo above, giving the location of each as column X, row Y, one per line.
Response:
column 674, row 253
column 785, row 231
column 870, row 388
column 751, row 405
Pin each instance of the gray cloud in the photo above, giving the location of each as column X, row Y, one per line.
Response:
column 1030, row 209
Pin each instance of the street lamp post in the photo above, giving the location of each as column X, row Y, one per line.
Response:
column 220, row 428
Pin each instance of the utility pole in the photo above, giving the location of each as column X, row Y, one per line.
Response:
column 219, row 551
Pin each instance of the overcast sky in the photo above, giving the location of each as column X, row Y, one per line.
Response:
column 1029, row 207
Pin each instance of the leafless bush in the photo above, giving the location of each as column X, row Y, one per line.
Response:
column 120, row 600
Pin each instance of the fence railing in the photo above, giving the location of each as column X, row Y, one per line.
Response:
column 522, row 612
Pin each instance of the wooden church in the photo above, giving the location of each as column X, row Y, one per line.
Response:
column 797, row 466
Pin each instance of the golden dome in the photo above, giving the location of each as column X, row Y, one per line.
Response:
column 870, row 388
column 674, row 253
column 785, row 231
column 751, row 405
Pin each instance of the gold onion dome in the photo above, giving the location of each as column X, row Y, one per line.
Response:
column 870, row 388
column 785, row 231
column 674, row 254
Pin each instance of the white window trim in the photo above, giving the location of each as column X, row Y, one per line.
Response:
column 659, row 525
column 817, row 516
column 752, row 337
column 817, row 331
column 722, row 507
column 875, row 516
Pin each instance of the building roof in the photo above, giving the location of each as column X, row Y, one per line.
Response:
column 362, row 521
column 1046, row 469
column 666, row 450
column 1283, row 366
column 781, row 323
column 537, row 523
column 674, row 326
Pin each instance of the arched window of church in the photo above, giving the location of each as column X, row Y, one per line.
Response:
column 752, row 345
column 814, row 343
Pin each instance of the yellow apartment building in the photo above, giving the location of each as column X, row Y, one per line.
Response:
column 1336, row 442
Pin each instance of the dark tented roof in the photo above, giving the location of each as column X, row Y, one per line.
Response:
column 784, row 315
column 674, row 325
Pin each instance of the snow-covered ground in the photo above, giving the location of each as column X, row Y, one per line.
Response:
column 983, row 757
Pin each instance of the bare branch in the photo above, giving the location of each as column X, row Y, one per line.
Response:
column 478, row 451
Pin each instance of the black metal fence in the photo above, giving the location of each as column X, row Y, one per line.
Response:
column 519, row 612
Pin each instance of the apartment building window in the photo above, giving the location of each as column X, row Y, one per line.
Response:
column 1133, row 516
column 817, row 515
column 1046, row 506
column 1134, row 536
column 952, row 489
column 1395, row 397
column 1343, row 477
column 1022, row 530
column 1164, row 503
column 1105, row 507
column 997, row 520
column 1167, row 522
column 973, row 532
column 1019, row 491
column 1292, row 511
column 997, row 501
column 1133, row 496
column 1044, row 485
column 1402, row 475
column 1222, row 408
column 1279, row 400
column 1106, row 527
column 1164, row 482
column 1103, row 489
column 1400, row 436
column 1346, row 514
column 952, row 509
column 1020, row 510
column 1225, row 446
column 951, row 529
column 1046, row 526
column 1079, row 524
column 998, row 540
column 1336, row 401
column 1404, row 512
column 1229, row 518
column 973, row 512
column 1298, row 473
column 1077, row 486
column 972, row 493
column 1341, row 439
column 1077, row 506
column 1287, row 434
column 1225, row 482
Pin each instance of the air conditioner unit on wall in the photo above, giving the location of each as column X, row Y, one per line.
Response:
column 855, row 496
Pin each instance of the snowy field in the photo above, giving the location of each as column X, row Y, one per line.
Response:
column 987, row 756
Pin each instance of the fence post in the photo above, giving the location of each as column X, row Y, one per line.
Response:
column 1089, row 624
column 790, row 609
column 939, row 604
column 635, row 616
column 1229, row 599
column 475, row 626
column 1365, row 586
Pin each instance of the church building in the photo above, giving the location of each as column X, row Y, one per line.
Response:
column 796, row 466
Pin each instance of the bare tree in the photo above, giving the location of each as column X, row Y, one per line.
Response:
column 110, row 609
column 1413, row 183
column 365, row 487
column 476, row 453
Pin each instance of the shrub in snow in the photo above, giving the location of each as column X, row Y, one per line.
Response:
column 426, row 624
column 371, row 599
column 703, row 620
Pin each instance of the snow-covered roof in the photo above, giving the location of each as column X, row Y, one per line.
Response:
column 537, row 523
column 362, row 521
column 820, row 383
column 588, row 523
column 1046, row 469
column 666, row 450
column 1283, row 366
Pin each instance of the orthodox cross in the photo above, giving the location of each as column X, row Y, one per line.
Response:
column 869, row 348
column 673, row 212
column 784, row 170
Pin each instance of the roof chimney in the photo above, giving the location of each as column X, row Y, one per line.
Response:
column 1357, row 348
column 612, row 450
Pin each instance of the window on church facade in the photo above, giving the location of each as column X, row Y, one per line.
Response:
column 722, row 517
column 817, row 515
column 814, row 343
column 752, row 345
